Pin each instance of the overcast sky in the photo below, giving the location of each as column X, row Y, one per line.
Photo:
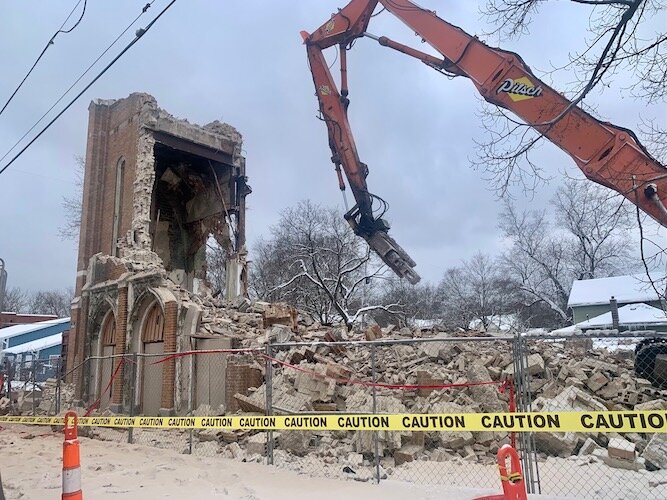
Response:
column 242, row 61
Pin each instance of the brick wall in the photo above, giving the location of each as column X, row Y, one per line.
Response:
column 107, row 270
column 113, row 135
column 12, row 318
column 238, row 379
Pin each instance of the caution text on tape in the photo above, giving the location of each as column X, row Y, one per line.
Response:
column 608, row 421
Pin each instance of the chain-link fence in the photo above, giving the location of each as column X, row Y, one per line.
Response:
column 596, row 371
column 441, row 375
column 30, row 385
column 420, row 376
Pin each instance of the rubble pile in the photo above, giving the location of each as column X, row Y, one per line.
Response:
column 38, row 399
column 563, row 377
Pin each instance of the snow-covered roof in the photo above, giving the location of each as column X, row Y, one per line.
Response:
column 13, row 331
column 632, row 314
column 36, row 345
column 626, row 289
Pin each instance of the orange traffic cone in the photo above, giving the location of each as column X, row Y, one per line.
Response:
column 71, row 460
column 513, row 485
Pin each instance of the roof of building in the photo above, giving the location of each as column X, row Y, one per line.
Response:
column 625, row 289
column 13, row 331
column 29, row 315
column 36, row 345
column 631, row 314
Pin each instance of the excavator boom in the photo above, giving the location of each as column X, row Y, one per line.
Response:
column 607, row 154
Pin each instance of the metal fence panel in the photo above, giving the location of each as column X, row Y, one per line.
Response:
column 590, row 372
column 464, row 375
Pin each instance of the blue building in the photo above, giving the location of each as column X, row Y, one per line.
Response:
column 42, row 349
column 17, row 335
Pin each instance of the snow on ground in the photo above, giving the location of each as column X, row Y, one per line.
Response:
column 30, row 465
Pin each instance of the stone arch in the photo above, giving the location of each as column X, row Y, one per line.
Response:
column 105, row 366
column 93, row 346
column 161, row 306
column 137, row 316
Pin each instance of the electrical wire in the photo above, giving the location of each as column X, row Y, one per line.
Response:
column 46, row 47
column 140, row 33
column 143, row 11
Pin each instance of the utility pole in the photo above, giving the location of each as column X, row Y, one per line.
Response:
column 3, row 284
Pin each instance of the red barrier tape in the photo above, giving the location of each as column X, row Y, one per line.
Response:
column 96, row 403
column 503, row 386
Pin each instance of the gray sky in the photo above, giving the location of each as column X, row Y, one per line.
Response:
column 242, row 61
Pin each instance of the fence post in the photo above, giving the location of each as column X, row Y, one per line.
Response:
column 191, row 394
column 133, row 395
column 58, row 388
column 34, row 382
column 376, row 434
column 522, row 384
column 269, row 401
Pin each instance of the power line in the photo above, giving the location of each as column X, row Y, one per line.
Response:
column 143, row 11
column 46, row 47
column 140, row 32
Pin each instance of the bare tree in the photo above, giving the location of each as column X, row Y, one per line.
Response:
column 620, row 38
column 655, row 135
column 56, row 302
column 537, row 262
column 414, row 302
column 16, row 300
column 588, row 238
column 598, row 220
column 72, row 205
column 475, row 290
column 216, row 265
column 315, row 261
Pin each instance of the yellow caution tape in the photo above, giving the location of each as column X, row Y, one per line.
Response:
column 604, row 421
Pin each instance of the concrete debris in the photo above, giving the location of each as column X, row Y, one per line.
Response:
column 296, row 442
column 324, row 378
column 5, row 405
column 560, row 381
column 407, row 453
column 279, row 314
column 655, row 453
column 534, row 363
column 621, row 448
column 487, row 395
column 256, row 444
column 588, row 447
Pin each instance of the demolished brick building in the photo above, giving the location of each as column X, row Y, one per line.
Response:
column 156, row 188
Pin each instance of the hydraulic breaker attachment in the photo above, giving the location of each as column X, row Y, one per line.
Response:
column 374, row 231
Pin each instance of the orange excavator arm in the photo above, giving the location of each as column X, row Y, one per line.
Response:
column 607, row 154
